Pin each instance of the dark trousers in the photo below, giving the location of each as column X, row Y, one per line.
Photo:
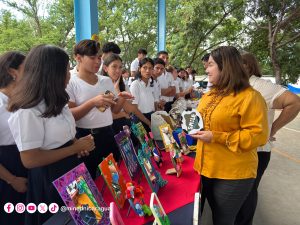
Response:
column 104, row 145
column 225, row 197
column 148, row 116
column 168, row 106
column 11, row 160
column 246, row 213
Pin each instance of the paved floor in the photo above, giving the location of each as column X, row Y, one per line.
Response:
column 279, row 190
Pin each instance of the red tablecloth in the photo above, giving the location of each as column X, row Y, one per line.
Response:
column 177, row 193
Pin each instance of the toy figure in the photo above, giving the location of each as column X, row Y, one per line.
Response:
column 135, row 196
column 115, row 179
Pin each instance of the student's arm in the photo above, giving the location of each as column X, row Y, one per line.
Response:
column 169, row 92
column 132, row 108
column 37, row 157
column 119, row 115
column 18, row 183
column 290, row 105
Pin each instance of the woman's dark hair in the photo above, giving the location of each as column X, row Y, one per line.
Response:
column 44, row 79
column 87, row 47
column 205, row 57
column 9, row 60
column 233, row 77
column 251, row 64
column 107, row 61
column 141, row 63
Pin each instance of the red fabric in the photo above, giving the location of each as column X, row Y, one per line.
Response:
column 177, row 193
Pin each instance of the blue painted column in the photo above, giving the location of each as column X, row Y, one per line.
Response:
column 161, row 25
column 86, row 19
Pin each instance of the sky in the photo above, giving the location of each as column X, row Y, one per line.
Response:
column 19, row 15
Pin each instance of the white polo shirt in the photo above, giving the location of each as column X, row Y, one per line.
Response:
column 6, row 137
column 143, row 95
column 81, row 91
column 157, row 91
column 134, row 66
column 186, row 84
column 166, row 80
column 74, row 71
column 177, row 83
column 270, row 92
column 30, row 130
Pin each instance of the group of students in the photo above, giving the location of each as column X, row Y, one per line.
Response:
column 52, row 120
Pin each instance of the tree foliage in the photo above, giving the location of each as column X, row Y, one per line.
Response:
column 269, row 29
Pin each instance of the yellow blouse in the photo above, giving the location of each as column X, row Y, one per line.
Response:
column 239, row 125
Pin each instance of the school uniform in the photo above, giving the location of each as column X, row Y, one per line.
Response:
column 166, row 80
column 95, row 122
column 10, row 159
column 31, row 131
column 157, row 91
column 144, row 98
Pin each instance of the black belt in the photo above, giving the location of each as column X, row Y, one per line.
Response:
column 101, row 129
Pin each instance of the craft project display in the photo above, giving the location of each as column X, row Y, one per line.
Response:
column 191, row 121
column 153, row 177
column 78, row 191
column 128, row 153
column 158, row 211
column 140, row 132
column 114, row 179
column 172, row 147
column 184, row 146
column 135, row 196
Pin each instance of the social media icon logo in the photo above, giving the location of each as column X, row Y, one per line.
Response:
column 53, row 208
column 31, row 207
column 42, row 208
column 20, row 208
column 9, row 207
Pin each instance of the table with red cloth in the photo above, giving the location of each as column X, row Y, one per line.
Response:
column 177, row 192
column 176, row 197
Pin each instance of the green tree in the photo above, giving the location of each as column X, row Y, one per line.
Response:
column 281, row 20
column 14, row 33
column 196, row 27
column 129, row 23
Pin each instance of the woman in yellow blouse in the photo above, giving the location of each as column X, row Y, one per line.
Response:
column 235, row 124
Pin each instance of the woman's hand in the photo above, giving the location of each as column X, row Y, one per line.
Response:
column 19, row 184
column 126, row 95
column 205, row 136
column 84, row 145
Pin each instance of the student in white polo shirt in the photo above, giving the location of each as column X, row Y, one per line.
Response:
column 159, row 68
column 142, row 89
column 112, row 67
column 91, row 107
column 134, row 66
column 166, row 81
column 43, row 126
column 13, row 175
